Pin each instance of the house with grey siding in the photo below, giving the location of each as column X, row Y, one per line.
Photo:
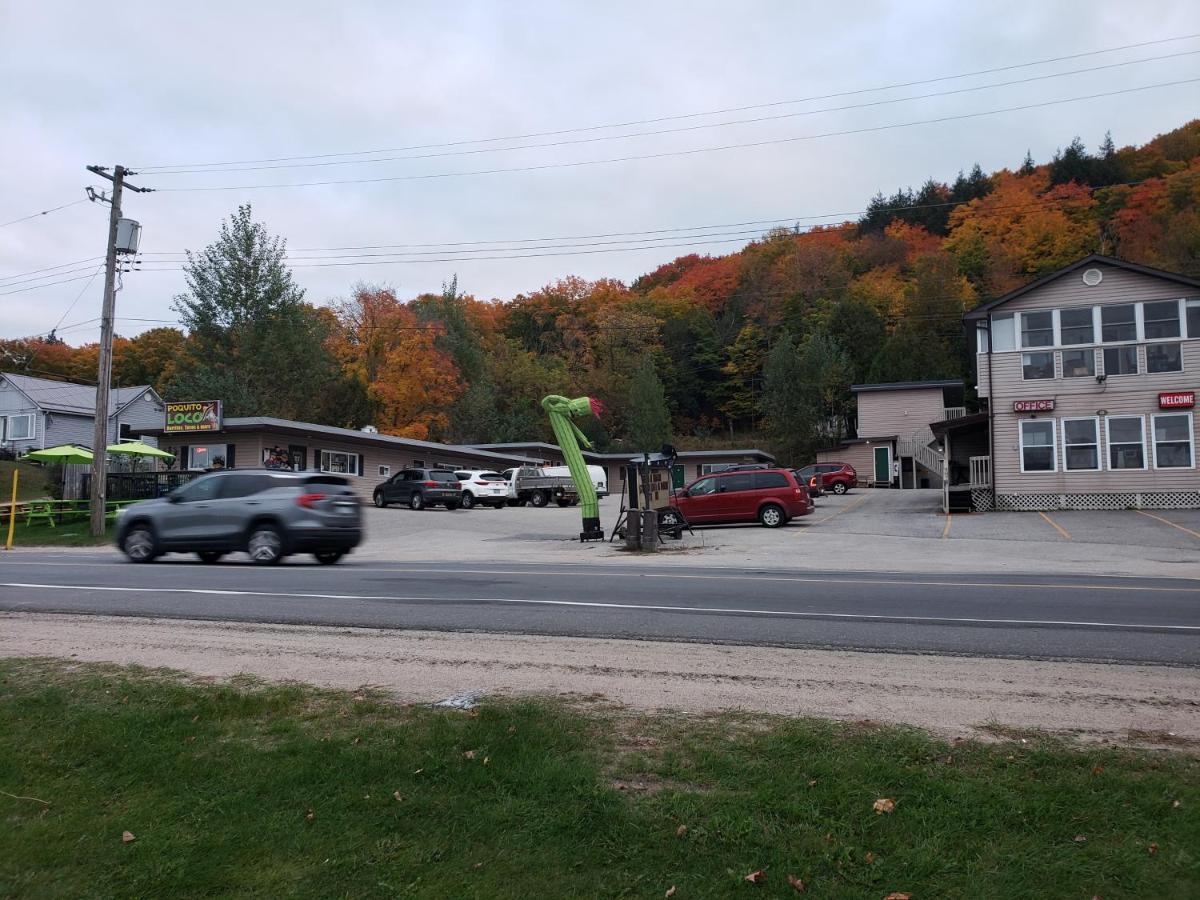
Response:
column 1089, row 377
column 40, row 412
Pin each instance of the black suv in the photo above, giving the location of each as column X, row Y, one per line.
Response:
column 419, row 488
column 268, row 514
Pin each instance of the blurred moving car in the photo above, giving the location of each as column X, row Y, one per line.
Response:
column 482, row 487
column 833, row 476
column 771, row 496
column 269, row 514
column 420, row 488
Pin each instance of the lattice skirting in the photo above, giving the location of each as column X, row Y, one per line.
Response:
column 1143, row 500
column 981, row 500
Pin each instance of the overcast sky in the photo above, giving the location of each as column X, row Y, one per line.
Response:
column 214, row 82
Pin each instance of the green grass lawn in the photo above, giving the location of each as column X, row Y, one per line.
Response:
column 74, row 532
column 31, row 485
column 251, row 790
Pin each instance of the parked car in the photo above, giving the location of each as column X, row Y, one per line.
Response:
column 599, row 479
column 482, row 487
column 420, row 488
column 808, row 476
column 530, row 484
column 772, row 496
column 268, row 514
column 834, row 476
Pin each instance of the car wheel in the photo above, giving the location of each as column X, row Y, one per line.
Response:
column 670, row 518
column 563, row 502
column 138, row 544
column 329, row 557
column 210, row 556
column 265, row 545
column 417, row 502
column 772, row 516
column 539, row 498
column 468, row 500
column 379, row 501
column 839, row 487
column 451, row 506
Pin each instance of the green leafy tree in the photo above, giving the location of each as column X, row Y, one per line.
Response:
column 742, row 388
column 649, row 418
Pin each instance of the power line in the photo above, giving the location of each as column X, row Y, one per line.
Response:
column 681, row 153
column 50, row 268
column 77, row 298
column 681, row 129
column 44, row 212
column 681, row 116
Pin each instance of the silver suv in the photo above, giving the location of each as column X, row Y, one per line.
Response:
column 268, row 514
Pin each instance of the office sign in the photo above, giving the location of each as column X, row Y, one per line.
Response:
column 1176, row 399
column 194, row 415
column 1033, row 405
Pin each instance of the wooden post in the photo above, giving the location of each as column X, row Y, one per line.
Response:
column 12, row 511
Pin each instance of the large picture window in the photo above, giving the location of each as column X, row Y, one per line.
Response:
column 1076, row 326
column 1079, row 363
column 1161, row 319
column 1120, row 361
column 208, row 456
column 1081, row 445
column 1126, row 442
column 1037, row 365
column 1164, row 358
column 16, row 428
column 1037, row 445
column 1004, row 335
column 1118, row 323
column 1173, row 441
column 1037, row 329
column 337, row 463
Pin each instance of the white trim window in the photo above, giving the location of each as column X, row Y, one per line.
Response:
column 1081, row 445
column 1118, row 323
column 1037, row 366
column 16, row 428
column 1077, row 326
column 1037, row 328
column 1079, row 363
column 1126, row 439
column 1121, row 360
column 1173, row 448
column 1037, row 445
column 1164, row 358
column 1004, row 333
column 385, row 471
column 1191, row 311
column 337, row 462
column 1160, row 320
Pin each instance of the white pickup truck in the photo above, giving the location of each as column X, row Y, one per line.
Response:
column 599, row 480
column 529, row 484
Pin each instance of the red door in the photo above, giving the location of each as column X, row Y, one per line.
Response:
column 702, row 502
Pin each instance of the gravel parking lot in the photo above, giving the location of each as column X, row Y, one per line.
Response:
column 868, row 530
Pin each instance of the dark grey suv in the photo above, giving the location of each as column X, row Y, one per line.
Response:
column 268, row 514
column 420, row 488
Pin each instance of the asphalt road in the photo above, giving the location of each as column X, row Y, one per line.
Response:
column 1069, row 617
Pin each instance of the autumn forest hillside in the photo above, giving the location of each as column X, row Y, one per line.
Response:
column 757, row 346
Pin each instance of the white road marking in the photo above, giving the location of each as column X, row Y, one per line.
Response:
column 596, row 605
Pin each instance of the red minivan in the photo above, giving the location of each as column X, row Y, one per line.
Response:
column 769, row 496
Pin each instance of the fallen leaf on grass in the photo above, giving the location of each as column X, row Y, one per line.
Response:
column 477, row 866
column 670, row 891
column 1175, row 804
column 898, row 895
column 1080, row 839
column 757, row 877
column 870, row 857
column 812, row 783
column 487, row 760
column 359, row 698
column 512, row 729
column 1152, row 849
column 1097, row 770
column 358, row 740
column 884, row 805
column 681, row 831
column 310, row 815
column 399, row 797
column 196, row 718
column 797, row 884
column 418, row 772
column 127, row 837
column 469, row 754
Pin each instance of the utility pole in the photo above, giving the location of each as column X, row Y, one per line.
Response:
column 99, row 485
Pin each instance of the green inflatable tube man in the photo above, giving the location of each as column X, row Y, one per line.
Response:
column 569, row 437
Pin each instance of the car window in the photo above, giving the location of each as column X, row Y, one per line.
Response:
column 200, row 489
column 731, row 483
column 463, row 476
column 491, row 476
column 807, row 472
column 764, row 480
column 242, row 484
column 829, row 468
column 442, row 475
column 319, row 479
column 703, row 486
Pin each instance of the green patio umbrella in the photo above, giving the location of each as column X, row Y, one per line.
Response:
column 65, row 453
column 137, row 448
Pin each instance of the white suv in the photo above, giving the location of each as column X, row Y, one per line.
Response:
column 482, row 487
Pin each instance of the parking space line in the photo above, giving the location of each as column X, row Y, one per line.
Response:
column 1055, row 526
column 946, row 530
column 1195, row 534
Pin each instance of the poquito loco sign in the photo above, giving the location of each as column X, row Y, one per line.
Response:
column 194, row 415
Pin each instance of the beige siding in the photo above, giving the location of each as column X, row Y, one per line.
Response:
column 1081, row 398
column 861, row 456
column 1118, row 286
column 902, row 413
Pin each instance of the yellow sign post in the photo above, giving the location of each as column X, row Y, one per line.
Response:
column 12, row 511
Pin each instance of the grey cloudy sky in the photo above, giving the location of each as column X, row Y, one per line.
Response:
column 174, row 84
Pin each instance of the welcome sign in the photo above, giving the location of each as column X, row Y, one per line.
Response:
column 194, row 415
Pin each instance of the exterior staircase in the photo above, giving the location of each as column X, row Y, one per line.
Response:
column 917, row 446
